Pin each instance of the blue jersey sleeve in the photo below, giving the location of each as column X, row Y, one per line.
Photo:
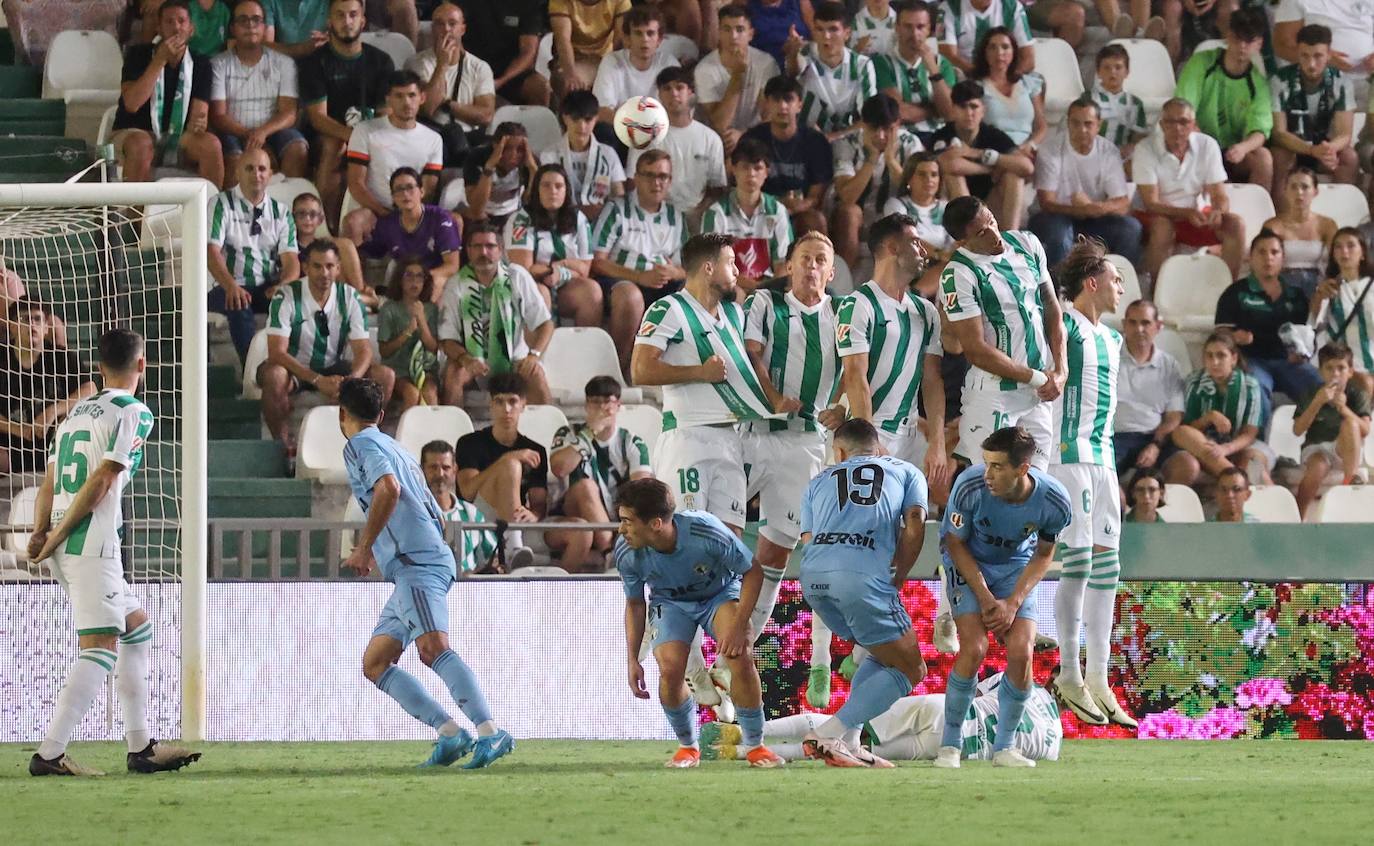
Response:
column 369, row 462
column 1058, row 511
column 916, row 493
column 963, row 504
column 630, row 576
column 808, row 520
column 728, row 550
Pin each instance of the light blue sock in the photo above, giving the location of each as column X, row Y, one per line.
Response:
column 1011, row 706
column 462, row 686
column 958, row 696
column 684, row 722
column 875, row 689
column 411, row 695
column 750, row 724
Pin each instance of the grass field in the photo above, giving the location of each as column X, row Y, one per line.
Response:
column 1100, row 792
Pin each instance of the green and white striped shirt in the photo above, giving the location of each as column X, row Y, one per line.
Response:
column 252, row 259
column 1123, row 115
column 965, row 26
column 296, row 316
column 1240, row 403
column 850, row 156
column 897, row 335
column 688, row 335
column 799, row 346
column 930, row 220
column 1005, row 290
column 630, row 236
column 592, row 172
column 475, row 546
column 546, row 245
column 609, row 463
column 832, row 97
column 1084, row 415
column 1358, row 335
column 913, row 83
column 761, row 238
column 880, row 32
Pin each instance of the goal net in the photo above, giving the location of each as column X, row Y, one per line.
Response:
column 78, row 260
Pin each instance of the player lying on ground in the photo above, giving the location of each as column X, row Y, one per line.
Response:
column 912, row 729
column 863, row 523
column 997, row 540
column 699, row 576
column 103, row 436
column 405, row 533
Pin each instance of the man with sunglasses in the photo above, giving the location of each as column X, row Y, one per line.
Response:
column 316, row 337
column 252, row 248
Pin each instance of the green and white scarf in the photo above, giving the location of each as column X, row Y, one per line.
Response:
column 181, row 99
column 490, row 317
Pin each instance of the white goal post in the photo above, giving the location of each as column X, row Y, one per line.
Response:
column 46, row 213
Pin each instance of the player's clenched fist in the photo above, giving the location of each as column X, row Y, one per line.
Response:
column 713, row 369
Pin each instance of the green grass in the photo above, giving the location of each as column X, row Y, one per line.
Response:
column 1101, row 792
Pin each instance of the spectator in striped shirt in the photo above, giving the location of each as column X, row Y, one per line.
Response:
column 1123, row 113
column 837, row 80
column 914, row 73
column 1221, row 415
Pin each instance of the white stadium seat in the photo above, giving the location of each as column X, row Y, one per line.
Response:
column 1130, row 282
column 163, row 222
column 1281, row 439
column 1152, row 73
column 681, row 47
column 320, row 446
column 1187, row 291
column 1183, row 506
column 21, row 514
column 1174, row 344
column 394, row 44
column 1058, row 64
column 539, row 423
column 1253, row 204
column 574, row 356
column 257, row 354
column 1345, row 204
column 1273, row 504
column 1347, row 504
column 424, row 423
column 541, row 124
column 843, row 283
column 643, row 420
column 83, row 69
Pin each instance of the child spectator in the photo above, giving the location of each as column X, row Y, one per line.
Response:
column 1221, row 415
column 1343, row 308
column 1335, row 421
column 408, row 335
column 1123, row 113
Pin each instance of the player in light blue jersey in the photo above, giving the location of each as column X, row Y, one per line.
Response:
column 405, row 535
column 997, row 540
column 863, row 522
column 699, row 576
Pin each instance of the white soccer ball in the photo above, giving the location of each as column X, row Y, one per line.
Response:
column 641, row 122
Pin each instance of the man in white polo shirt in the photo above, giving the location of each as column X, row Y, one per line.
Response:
column 1182, row 184
column 459, row 88
column 696, row 150
column 1149, row 405
column 631, row 71
column 378, row 146
column 253, row 96
column 730, row 79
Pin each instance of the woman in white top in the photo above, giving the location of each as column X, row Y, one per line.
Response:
column 1343, row 306
column 1305, row 233
column 550, row 237
column 1015, row 103
column 922, row 203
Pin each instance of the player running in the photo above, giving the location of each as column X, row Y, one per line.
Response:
column 863, row 523
column 699, row 576
column 95, row 453
column 1085, row 464
column 997, row 540
column 404, row 532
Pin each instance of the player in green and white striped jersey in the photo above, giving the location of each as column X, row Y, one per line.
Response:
column 476, row 547
column 835, row 79
column 78, row 529
column 1086, row 465
column 874, row 22
column 914, row 73
column 758, row 222
column 316, row 336
column 1123, row 113
column 1221, row 415
column 1002, row 308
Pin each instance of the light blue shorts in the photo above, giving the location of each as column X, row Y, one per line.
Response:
column 418, row 605
column 677, row 620
column 860, row 607
column 1002, row 582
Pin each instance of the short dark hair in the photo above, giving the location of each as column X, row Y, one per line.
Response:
column 829, row 10
column 1086, row 258
column 1114, row 51
column 856, row 433
column 435, row 447
column 234, row 6
column 887, row 227
column 319, row 245
column 26, row 305
column 751, row 150
column 1335, row 350
column 361, row 397
column 1265, row 234
column 403, row 79
column 780, row 86
column 1233, row 470
column 509, row 128
column 579, row 104
column 676, row 73
column 507, row 383
column 306, row 195
column 481, row 227
column 403, row 170
column 602, row 386
column 906, row 7
column 702, row 248
column 734, row 10
column 1143, row 302
column 1015, row 441
column 1086, row 102
column 880, row 110
column 1315, row 34
column 174, row 4
column 959, row 213
column 966, row 92
column 120, row 349
column 641, row 15
column 647, row 499
column 1248, row 24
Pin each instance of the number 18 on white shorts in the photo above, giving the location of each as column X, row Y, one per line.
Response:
column 704, row 467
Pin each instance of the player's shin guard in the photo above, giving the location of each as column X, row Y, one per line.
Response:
column 750, row 725
column 462, row 686
column 768, row 597
column 131, row 681
column 412, row 696
column 683, row 720
column 1011, row 706
column 1099, row 607
column 958, row 696
column 873, row 691
column 83, row 684
column 1068, row 609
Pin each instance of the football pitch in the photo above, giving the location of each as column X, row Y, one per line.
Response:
column 1100, row 792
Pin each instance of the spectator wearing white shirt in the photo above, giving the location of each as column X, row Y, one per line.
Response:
column 253, row 96
column 594, row 171
column 1081, row 185
column 379, row 146
column 1182, row 184
column 1352, row 35
column 460, row 92
column 632, row 71
column 1149, row 405
column 731, row 78
column 873, row 30
column 696, row 150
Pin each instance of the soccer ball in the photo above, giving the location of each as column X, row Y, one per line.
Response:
column 640, row 122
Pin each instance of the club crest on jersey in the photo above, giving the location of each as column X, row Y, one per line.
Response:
column 647, row 329
column 956, row 519
column 1029, row 529
column 951, row 299
column 518, row 233
column 701, row 569
column 842, row 332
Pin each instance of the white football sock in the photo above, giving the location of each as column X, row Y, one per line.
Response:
column 1099, row 609
column 820, row 641
column 795, row 727
column 83, row 684
column 131, row 682
column 1068, row 609
column 788, row 751
column 768, row 597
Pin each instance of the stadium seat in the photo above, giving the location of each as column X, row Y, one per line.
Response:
column 1174, row 344
column 161, row 223
column 1369, row 450
column 1183, row 505
column 541, row 124
column 425, row 423
column 1345, row 204
column 1273, row 504
column 285, row 189
column 539, row 423
column 394, row 44
column 320, row 446
column 1357, row 124
column 843, row 283
column 1130, row 282
column 1152, row 73
column 543, row 59
column 684, row 49
column 1281, row 439
column 574, row 356
column 643, row 420
column 257, row 354
column 1057, row 63
column 106, row 125
column 1347, row 504
column 83, row 69
column 1253, row 204
column 1187, row 291
column 454, row 195
column 21, row 514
